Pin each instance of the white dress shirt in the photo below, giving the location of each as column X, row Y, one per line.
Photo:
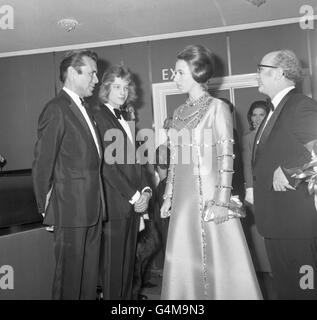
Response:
column 122, row 121
column 82, row 109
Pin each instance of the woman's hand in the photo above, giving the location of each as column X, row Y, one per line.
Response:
column 165, row 209
column 220, row 214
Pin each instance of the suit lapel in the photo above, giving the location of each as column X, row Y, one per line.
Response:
column 129, row 148
column 255, row 145
column 116, row 124
column 75, row 110
column 94, row 124
column 269, row 126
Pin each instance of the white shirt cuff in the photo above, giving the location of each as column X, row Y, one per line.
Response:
column 146, row 188
column 142, row 224
column 135, row 198
column 249, row 195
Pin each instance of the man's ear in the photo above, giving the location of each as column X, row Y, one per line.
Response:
column 279, row 73
column 71, row 71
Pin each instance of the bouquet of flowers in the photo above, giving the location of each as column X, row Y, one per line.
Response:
column 307, row 173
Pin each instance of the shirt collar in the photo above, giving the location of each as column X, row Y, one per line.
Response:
column 73, row 95
column 110, row 107
column 279, row 96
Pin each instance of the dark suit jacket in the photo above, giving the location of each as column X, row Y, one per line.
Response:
column 123, row 177
column 289, row 214
column 66, row 159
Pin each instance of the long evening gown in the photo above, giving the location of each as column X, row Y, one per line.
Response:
column 203, row 260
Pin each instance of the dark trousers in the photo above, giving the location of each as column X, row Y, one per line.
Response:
column 148, row 243
column 119, row 251
column 288, row 259
column 77, row 252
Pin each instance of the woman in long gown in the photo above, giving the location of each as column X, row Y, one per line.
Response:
column 204, row 260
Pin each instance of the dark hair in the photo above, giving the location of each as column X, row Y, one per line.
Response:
column 255, row 105
column 74, row 59
column 199, row 60
column 288, row 61
column 162, row 156
column 116, row 71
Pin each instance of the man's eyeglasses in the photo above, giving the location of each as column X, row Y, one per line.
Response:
column 261, row 66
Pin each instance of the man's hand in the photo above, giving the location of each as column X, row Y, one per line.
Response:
column 142, row 204
column 280, row 182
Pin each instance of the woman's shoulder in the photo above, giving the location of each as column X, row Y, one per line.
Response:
column 219, row 107
column 220, row 104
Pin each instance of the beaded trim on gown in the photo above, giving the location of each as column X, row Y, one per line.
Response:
column 203, row 260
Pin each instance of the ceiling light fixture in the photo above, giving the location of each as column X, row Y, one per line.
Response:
column 257, row 2
column 68, row 24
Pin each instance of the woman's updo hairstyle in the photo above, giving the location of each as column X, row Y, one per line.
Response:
column 200, row 62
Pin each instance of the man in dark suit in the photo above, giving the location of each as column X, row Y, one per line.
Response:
column 67, row 179
column 125, row 188
column 284, row 215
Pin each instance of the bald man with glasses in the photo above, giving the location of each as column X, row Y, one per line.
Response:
column 285, row 216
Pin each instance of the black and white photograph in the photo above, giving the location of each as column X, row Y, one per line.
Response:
column 158, row 153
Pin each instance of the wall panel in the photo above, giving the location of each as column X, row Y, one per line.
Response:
column 26, row 82
column 249, row 46
column 136, row 58
column 163, row 54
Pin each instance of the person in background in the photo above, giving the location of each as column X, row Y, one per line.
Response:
column 206, row 257
column 126, row 192
column 152, row 240
column 256, row 114
column 161, row 167
column 67, row 179
column 148, row 244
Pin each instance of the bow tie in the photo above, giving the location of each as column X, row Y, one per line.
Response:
column 120, row 113
column 84, row 103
